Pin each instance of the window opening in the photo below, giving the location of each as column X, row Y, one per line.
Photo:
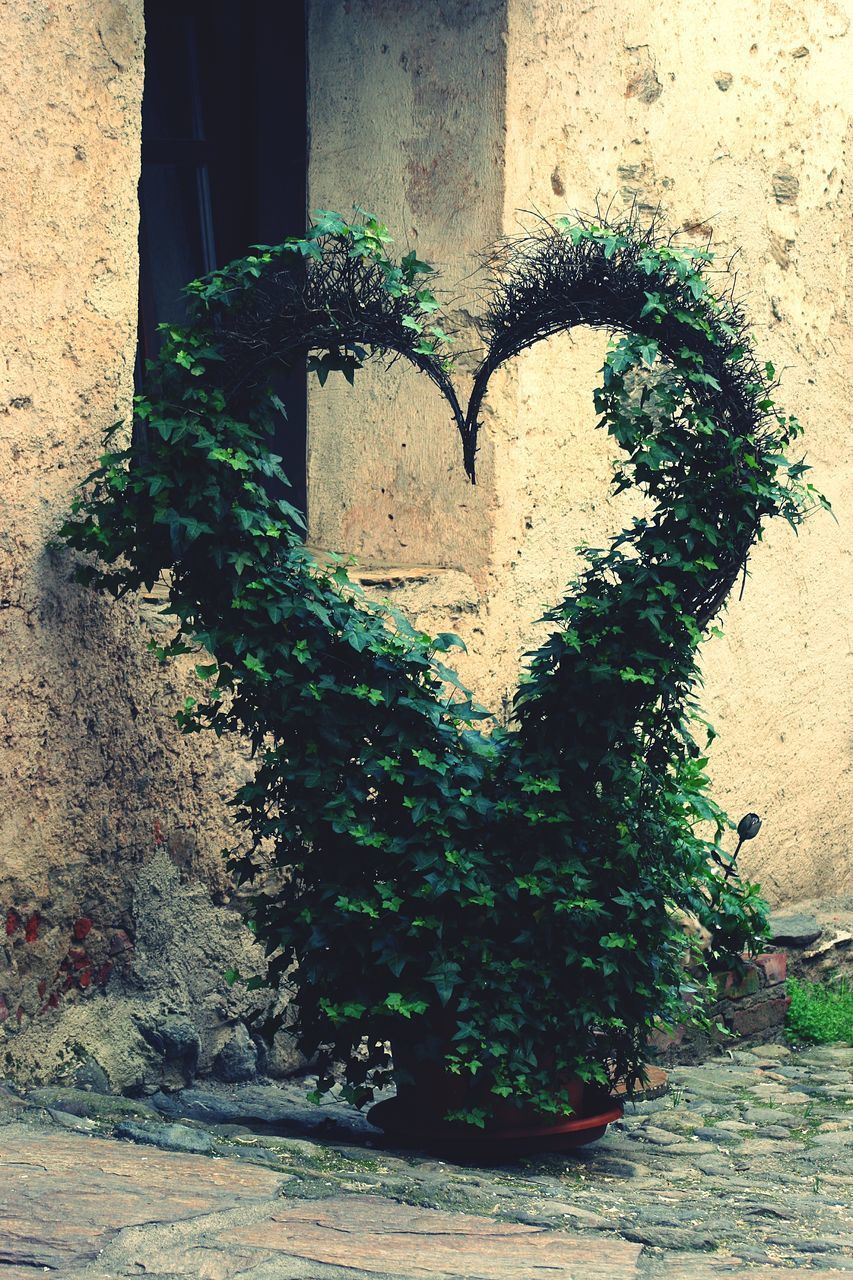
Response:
column 224, row 162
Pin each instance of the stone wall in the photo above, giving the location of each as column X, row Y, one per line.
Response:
column 110, row 826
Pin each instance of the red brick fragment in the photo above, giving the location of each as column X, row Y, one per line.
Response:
column 774, row 965
column 82, row 928
column 42, row 987
column 31, row 932
column 761, row 1016
column 736, row 986
column 663, row 1040
column 13, row 922
column 104, row 972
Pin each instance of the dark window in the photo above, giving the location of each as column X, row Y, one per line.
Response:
column 224, row 152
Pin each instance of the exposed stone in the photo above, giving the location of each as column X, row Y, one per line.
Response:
column 841, row 1138
column 376, row 1238
column 645, row 85
column 91, row 1075
column 772, row 1052
column 753, row 1192
column 769, row 1115
column 827, row 946
column 832, row 1053
column 664, row 1237
column 660, row 1137
column 749, row 1019
column 794, row 930
column 120, row 942
column 283, row 1058
column 11, row 1105
column 620, row 1168
column 79, row 1102
column 735, row 986
column 761, row 1147
column 178, row 1041
column 283, row 1106
column 774, row 965
column 786, row 187
column 715, row 1135
column 169, row 1137
column 237, row 1060
column 66, row 1120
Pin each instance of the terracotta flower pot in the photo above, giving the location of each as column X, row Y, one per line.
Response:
column 427, row 1092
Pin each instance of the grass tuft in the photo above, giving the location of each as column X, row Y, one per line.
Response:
column 820, row 1013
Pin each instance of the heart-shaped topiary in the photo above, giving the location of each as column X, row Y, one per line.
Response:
column 504, row 899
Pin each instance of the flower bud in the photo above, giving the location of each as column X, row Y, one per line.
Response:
column 749, row 826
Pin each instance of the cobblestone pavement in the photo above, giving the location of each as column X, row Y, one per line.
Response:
column 743, row 1170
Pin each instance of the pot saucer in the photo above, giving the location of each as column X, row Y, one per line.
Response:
column 409, row 1129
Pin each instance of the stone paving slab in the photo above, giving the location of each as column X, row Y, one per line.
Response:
column 743, row 1171
column 66, row 1201
column 63, row 1197
column 375, row 1236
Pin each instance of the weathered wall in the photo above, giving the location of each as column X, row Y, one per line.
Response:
column 735, row 118
column 407, row 121
column 110, row 827
column 736, row 121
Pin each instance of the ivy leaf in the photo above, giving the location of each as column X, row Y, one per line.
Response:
column 445, row 978
column 649, row 351
column 412, row 266
column 447, row 640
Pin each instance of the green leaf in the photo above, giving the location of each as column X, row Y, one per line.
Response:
column 412, row 266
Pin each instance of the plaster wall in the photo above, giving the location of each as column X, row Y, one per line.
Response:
column 406, row 119
column 111, row 826
column 734, row 120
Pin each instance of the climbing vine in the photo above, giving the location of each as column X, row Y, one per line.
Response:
column 503, row 898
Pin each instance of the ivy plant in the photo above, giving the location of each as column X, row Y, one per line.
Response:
column 502, row 899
